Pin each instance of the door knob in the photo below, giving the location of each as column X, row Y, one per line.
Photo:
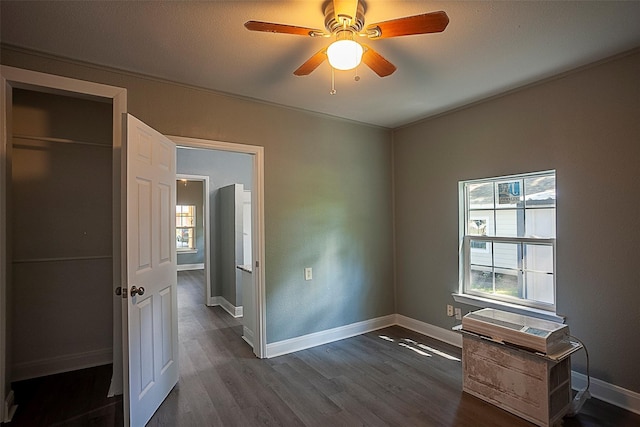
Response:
column 137, row 291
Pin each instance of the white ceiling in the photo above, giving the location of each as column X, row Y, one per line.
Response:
column 489, row 47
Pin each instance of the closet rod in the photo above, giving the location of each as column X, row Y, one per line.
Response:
column 61, row 140
column 61, row 259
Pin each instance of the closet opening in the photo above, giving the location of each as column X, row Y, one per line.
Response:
column 60, row 238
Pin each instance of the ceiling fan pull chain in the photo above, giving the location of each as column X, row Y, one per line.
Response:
column 356, row 77
column 333, row 82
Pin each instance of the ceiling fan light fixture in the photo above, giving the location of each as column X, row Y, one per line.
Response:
column 345, row 54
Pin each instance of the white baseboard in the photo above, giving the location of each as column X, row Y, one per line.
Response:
column 441, row 334
column 56, row 365
column 226, row 305
column 330, row 335
column 9, row 407
column 609, row 393
column 185, row 267
column 247, row 335
column 599, row 389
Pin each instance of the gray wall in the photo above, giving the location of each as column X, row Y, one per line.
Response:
column 190, row 193
column 327, row 194
column 223, row 168
column 586, row 125
column 61, row 211
column 231, row 249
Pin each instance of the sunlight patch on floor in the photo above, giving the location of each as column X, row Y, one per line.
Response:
column 417, row 350
column 421, row 349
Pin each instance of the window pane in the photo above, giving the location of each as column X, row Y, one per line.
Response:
column 481, row 279
column 509, row 193
column 510, row 209
column 539, row 258
column 182, row 237
column 477, row 227
column 506, row 255
column 480, row 196
column 510, row 223
column 541, row 223
column 508, row 283
column 481, row 254
column 185, row 226
column 481, row 223
column 540, row 287
column 540, row 191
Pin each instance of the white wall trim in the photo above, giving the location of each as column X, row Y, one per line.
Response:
column 607, row 392
column 226, row 305
column 247, row 335
column 330, row 335
column 66, row 363
column 186, row 267
column 599, row 389
column 9, row 407
column 441, row 334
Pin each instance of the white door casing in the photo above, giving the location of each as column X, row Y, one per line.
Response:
column 11, row 77
column 257, row 231
column 150, row 320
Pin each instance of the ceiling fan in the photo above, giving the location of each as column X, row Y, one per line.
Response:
column 344, row 20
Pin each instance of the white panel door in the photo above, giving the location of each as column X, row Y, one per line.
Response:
column 150, row 318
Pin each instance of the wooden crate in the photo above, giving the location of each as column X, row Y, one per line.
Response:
column 522, row 382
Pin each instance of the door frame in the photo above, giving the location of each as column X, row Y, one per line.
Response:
column 10, row 78
column 258, row 229
column 207, row 231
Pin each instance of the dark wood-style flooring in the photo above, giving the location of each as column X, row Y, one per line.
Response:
column 388, row 377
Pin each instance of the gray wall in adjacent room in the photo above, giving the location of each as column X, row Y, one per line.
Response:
column 223, row 168
column 586, row 126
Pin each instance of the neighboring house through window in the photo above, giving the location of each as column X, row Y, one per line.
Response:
column 508, row 231
column 185, row 227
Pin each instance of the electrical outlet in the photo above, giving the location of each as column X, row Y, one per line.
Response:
column 449, row 310
column 308, row 273
column 458, row 314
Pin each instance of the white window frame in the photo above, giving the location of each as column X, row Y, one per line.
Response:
column 483, row 299
column 192, row 228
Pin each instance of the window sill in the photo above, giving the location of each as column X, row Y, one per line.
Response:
column 187, row 251
column 513, row 308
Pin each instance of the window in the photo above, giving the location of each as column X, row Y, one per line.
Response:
column 185, row 227
column 508, row 233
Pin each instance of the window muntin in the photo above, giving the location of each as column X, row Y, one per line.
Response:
column 508, row 242
column 185, row 227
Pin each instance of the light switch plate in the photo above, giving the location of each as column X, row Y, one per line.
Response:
column 308, row 273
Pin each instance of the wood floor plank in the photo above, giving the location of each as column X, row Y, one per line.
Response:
column 390, row 377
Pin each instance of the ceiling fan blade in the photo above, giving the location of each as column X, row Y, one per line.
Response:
column 377, row 62
column 434, row 22
column 312, row 63
column 270, row 27
column 345, row 9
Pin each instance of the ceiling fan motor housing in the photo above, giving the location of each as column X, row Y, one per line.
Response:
column 332, row 24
